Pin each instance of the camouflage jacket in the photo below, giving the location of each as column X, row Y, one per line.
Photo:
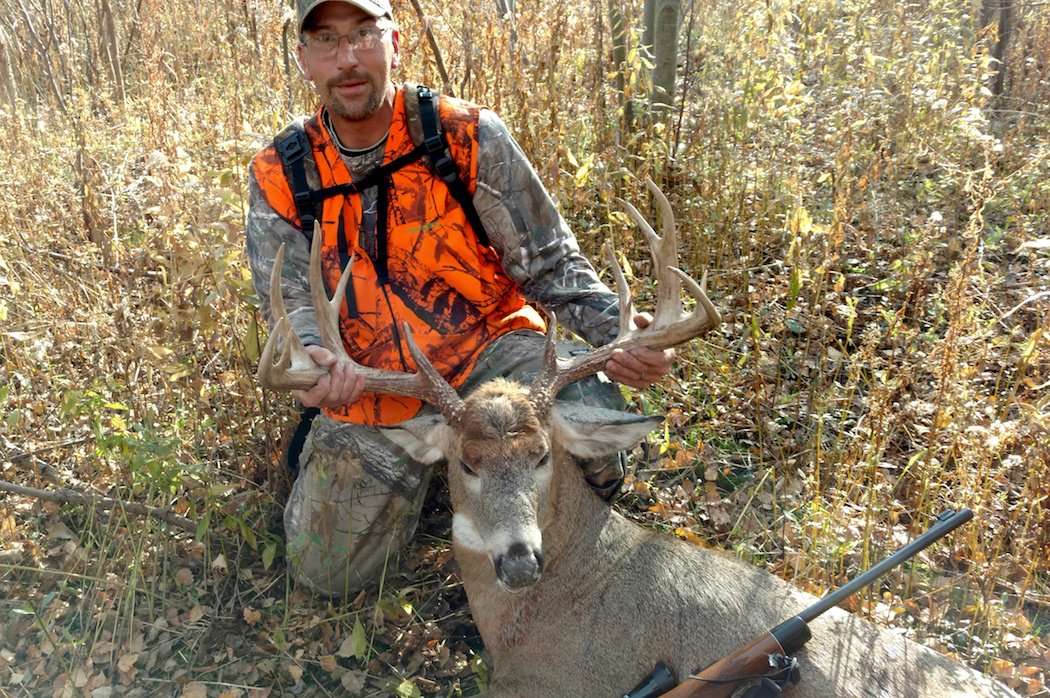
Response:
column 536, row 247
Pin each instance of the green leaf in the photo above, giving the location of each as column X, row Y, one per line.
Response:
column 358, row 641
column 481, row 672
column 279, row 640
column 268, row 554
column 202, row 526
column 251, row 340
column 408, row 689
column 247, row 533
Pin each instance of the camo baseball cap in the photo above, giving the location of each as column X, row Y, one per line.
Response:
column 376, row 8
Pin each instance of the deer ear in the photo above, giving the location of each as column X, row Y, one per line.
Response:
column 425, row 439
column 589, row 432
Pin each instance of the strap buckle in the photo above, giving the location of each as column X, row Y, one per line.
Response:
column 291, row 149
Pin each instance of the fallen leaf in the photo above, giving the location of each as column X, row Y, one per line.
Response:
column 219, row 564
column 1002, row 667
column 295, row 671
column 689, row 535
column 251, row 616
column 355, row 644
column 353, row 681
column 329, row 663
column 125, row 663
column 194, row 689
column 184, row 576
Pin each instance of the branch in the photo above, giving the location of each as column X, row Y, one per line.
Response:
column 434, row 47
column 67, row 496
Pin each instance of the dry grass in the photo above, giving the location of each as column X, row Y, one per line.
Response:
column 873, row 221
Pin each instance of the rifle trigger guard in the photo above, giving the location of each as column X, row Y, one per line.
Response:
column 784, row 670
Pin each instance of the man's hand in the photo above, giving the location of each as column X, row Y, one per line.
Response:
column 639, row 367
column 342, row 386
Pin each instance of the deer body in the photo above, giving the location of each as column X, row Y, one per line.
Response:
column 615, row 598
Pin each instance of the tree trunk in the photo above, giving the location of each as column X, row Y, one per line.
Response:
column 667, row 16
column 618, row 31
column 599, row 64
column 110, row 47
column 649, row 27
column 1001, row 14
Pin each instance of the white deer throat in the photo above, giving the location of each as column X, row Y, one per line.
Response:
column 466, row 535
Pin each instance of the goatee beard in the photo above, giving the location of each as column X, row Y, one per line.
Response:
column 372, row 102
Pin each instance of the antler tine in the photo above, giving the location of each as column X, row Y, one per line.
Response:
column 294, row 369
column 668, row 302
column 671, row 325
column 432, row 387
column 665, row 255
column 622, row 290
column 697, row 291
column 327, row 310
column 540, row 392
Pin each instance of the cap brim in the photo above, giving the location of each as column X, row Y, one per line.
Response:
column 373, row 8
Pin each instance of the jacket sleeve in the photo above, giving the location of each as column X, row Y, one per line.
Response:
column 266, row 230
column 537, row 248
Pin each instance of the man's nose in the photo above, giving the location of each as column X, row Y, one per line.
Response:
column 344, row 52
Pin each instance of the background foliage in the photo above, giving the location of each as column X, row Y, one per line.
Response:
column 872, row 216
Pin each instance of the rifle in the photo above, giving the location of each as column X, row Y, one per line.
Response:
column 770, row 656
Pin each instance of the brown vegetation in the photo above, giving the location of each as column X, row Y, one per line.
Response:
column 873, row 221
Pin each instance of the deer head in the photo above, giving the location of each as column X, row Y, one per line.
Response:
column 503, row 442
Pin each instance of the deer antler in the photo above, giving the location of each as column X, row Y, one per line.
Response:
column 294, row 369
column 670, row 326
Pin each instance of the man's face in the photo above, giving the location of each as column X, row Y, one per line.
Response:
column 351, row 83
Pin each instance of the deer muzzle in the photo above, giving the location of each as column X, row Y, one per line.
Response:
column 520, row 567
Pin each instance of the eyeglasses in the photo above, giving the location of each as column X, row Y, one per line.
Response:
column 325, row 44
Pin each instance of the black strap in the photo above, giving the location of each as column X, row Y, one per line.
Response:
column 382, row 210
column 442, row 163
column 376, row 176
column 293, row 147
column 295, row 446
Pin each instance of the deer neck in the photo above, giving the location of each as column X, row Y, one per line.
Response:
column 573, row 528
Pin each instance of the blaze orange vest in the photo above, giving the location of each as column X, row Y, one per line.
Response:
column 449, row 287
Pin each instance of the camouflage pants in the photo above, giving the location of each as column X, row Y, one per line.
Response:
column 358, row 496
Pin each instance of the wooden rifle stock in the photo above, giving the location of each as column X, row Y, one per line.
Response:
column 755, row 660
column 723, row 677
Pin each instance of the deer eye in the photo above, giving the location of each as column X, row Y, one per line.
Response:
column 545, row 459
column 468, row 469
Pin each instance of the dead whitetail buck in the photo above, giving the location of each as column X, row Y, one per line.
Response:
column 571, row 599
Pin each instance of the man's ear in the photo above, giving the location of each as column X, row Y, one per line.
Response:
column 300, row 61
column 395, row 39
column 589, row 432
column 426, row 439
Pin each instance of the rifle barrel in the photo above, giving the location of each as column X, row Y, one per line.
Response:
column 946, row 522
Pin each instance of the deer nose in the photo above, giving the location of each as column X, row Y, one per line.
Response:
column 520, row 566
